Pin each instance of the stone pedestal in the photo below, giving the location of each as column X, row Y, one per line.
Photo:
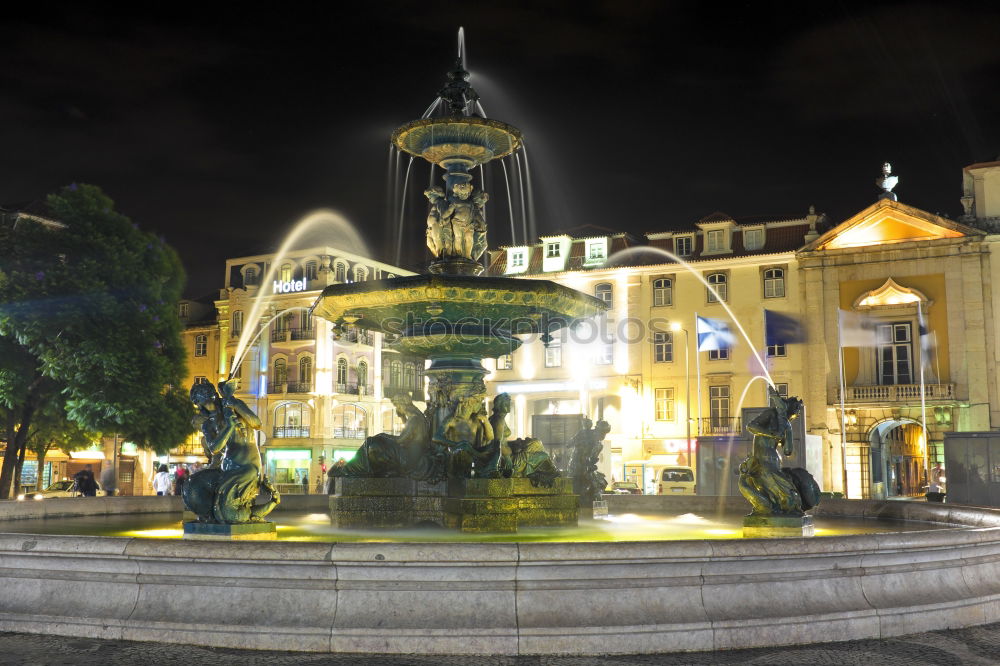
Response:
column 239, row 532
column 469, row 505
column 777, row 526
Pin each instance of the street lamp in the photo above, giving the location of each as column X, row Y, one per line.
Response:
column 675, row 326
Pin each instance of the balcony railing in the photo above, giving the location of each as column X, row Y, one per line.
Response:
column 415, row 394
column 300, row 387
column 286, row 334
column 291, row 431
column 895, row 393
column 720, row 425
column 350, row 433
column 360, row 337
column 276, row 387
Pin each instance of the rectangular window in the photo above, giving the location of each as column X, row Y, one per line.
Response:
column 682, row 246
column 553, row 354
column 663, row 292
column 201, row 345
column 664, row 404
column 718, row 354
column 183, row 309
column 774, row 283
column 596, row 252
column 895, row 353
column 663, row 347
column 517, row 259
column 605, row 354
column 719, row 406
column 552, row 250
column 753, row 239
column 775, row 350
column 782, row 390
column 715, row 240
column 505, row 362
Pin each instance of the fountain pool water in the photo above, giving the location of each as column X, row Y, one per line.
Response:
column 315, row 527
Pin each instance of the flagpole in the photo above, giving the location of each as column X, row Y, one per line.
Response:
column 697, row 365
column 923, row 330
column 843, row 410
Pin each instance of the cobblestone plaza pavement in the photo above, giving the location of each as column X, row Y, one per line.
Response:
column 966, row 647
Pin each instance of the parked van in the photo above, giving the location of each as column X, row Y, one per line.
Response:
column 675, row 480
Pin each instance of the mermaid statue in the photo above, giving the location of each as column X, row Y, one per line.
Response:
column 226, row 491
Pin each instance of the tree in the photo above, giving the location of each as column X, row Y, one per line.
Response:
column 88, row 313
column 53, row 430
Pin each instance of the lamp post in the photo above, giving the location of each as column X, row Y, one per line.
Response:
column 675, row 326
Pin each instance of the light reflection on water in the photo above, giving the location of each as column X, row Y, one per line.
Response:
column 316, row 527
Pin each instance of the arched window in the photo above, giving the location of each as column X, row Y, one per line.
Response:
column 362, row 377
column 292, row 419
column 340, row 272
column 200, row 345
column 280, row 375
column 349, row 421
column 250, row 276
column 237, row 324
column 663, row 292
column 305, row 370
column 774, row 283
column 409, row 376
column 310, row 270
column 285, row 275
column 720, row 283
column 360, row 273
column 604, row 291
column 342, row 372
column 391, row 423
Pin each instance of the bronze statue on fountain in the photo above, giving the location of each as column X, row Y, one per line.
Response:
column 455, row 317
column 780, row 496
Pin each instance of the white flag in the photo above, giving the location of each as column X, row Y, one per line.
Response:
column 856, row 329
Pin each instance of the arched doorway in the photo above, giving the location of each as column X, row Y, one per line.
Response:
column 897, row 463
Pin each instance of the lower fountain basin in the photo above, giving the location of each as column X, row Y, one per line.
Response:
column 576, row 597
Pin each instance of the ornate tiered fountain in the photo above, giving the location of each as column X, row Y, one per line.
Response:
column 453, row 464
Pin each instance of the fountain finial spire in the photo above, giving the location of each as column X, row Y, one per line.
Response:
column 459, row 94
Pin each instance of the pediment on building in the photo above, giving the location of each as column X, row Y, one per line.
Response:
column 887, row 222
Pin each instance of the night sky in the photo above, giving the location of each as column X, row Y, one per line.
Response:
column 219, row 125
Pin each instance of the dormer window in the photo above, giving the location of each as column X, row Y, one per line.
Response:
column 183, row 309
column 250, row 277
column 715, row 240
column 517, row 259
column 682, row 246
column 753, row 239
column 552, row 250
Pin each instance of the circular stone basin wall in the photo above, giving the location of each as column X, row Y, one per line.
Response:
column 508, row 598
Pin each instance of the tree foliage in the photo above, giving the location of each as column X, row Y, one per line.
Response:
column 88, row 310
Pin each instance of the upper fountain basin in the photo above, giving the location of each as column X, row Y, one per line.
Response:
column 468, row 139
column 514, row 305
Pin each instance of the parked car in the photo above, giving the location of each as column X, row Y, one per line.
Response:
column 66, row 488
column 675, row 480
column 625, row 488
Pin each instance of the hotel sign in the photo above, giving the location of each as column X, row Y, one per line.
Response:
column 290, row 286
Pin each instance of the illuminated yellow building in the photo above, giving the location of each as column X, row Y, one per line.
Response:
column 318, row 392
column 919, row 283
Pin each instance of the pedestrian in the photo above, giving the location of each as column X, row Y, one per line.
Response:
column 85, row 482
column 179, row 482
column 109, row 480
column 161, row 482
column 305, row 484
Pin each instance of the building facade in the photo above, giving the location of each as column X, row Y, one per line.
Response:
column 895, row 337
column 318, row 391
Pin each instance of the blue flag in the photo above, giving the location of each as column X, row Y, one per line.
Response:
column 713, row 335
column 781, row 329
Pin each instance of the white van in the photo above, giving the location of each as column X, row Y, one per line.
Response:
column 675, row 480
